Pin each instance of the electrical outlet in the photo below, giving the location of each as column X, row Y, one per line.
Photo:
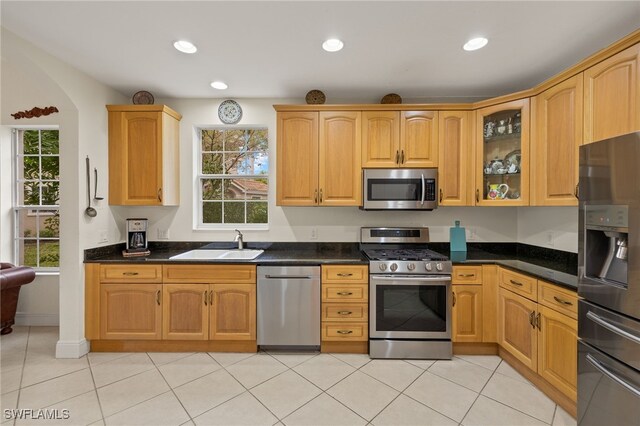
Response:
column 103, row 236
column 314, row 233
column 471, row 234
column 163, row 234
column 550, row 239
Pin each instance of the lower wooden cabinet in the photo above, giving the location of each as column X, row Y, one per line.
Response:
column 232, row 312
column 131, row 311
column 185, row 313
column 467, row 313
column 516, row 327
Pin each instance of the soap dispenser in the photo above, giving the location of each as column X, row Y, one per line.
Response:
column 457, row 238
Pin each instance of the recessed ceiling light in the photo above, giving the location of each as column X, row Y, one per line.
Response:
column 185, row 46
column 475, row 44
column 220, row 85
column 332, row 45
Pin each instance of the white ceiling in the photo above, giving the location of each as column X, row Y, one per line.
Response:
column 273, row 49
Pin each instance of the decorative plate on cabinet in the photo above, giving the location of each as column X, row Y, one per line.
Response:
column 143, row 98
column 229, row 112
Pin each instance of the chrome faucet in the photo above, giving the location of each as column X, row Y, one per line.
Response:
column 239, row 239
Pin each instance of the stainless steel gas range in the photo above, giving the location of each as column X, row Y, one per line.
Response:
column 409, row 295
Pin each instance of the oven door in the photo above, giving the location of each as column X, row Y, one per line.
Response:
column 399, row 189
column 410, row 307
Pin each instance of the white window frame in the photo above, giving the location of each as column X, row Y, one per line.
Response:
column 198, row 199
column 32, row 210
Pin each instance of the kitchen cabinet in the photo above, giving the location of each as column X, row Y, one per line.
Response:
column 502, row 154
column 185, row 313
column 319, row 159
column 144, row 155
column 130, row 311
column 344, row 307
column 399, row 139
column 233, row 312
column 556, row 135
column 516, row 327
column 455, row 158
column 467, row 313
column 612, row 96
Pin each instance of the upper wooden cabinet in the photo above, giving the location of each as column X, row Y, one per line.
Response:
column 502, row 154
column 455, row 151
column 393, row 139
column 612, row 96
column 318, row 157
column 556, row 136
column 144, row 155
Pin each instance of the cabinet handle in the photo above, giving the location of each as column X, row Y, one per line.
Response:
column 577, row 192
column 467, row 275
column 344, row 275
column 160, row 194
column 454, row 298
column 205, row 298
column 345, row 312
column 564, row 302
column 532, row 318
column 516, row 283
column 538, row 321
column 397, row 157
column 440, row 196
column 477, row 195
column 345, row 331
column 129, row 274
column 345, row 293
column 211, row 298
column 315, row 196
column 158, row 297
column 320, row 195
column 402, row 157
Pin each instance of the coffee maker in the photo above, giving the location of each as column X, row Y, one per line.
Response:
column 137, row 235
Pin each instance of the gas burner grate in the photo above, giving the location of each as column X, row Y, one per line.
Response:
column 404, row 254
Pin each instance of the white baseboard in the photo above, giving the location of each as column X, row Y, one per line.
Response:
column 72, row 348
column 37, row 319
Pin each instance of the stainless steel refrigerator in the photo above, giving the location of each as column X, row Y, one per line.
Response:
column 609, row 282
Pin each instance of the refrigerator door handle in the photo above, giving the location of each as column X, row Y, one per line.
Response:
column 612, row 328
column 601, row 368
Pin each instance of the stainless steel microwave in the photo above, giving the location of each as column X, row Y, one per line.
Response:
column 399, row 189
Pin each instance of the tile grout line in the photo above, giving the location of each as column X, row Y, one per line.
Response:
column 171, row 387
column 24, row 363
column 480, row 393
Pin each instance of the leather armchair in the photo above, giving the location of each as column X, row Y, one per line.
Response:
column 12, row 278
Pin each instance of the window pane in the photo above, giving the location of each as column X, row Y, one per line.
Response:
column 31, row 167
column 233, row 189
column 257, row 213
column 253, row 189
column 235, row 140
column 211, row 189
column 50, row 142
column 211, row 212
column 30, row 194
column 27, row 223
column 50, row 193
column 50, row 168
column 28, row 252
column 30, row 141
column 212, row 140
column 49, row 224
column 49, row 254
column 251, row 163
column 233, row 212
column 258, row 140
column 212, row 164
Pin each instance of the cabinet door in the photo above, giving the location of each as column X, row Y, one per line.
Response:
column 297, row 158
column 556, row 136
column 135, row 158
column 516, row 327
column 380, row 139
column 467, row 313
column 185, row 312
column 340, row 144
column 419, row 139
column 612, row 96
column 233, row 312
column 455, row 158
column 558, row 350
column 131, row 311
column 502, row 154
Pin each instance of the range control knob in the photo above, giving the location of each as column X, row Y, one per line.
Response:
column 411, row 266
column 394, row 267
column 439, row 266
column 383, row 266
column 428, row 266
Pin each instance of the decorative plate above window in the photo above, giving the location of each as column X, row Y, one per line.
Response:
column 229, row 112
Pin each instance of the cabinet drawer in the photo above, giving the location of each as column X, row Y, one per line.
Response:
column 345, row 273
column 518, row 283
column 216, row 274
column 557, row 298
column 345, row 312
column 342, row 293
column 357, row 331
column 122, row 273
column 467, row 275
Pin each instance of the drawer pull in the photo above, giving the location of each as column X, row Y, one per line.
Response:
column 129, row 274
column 516, row 283
column 467, row 275
column 342, row 274
column 345, row 312
column 564, row 302
column 345, row 331
column 345, row 293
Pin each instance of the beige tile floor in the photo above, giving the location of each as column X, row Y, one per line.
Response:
column 261, row 389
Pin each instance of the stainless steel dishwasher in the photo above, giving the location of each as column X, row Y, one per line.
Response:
column 288, row 306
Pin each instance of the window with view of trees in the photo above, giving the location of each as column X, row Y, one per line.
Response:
column 37, row 195
column 233, row 179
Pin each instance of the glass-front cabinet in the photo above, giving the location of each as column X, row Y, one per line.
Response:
column 502, row 154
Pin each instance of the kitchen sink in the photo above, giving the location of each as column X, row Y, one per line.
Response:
column 245, row 254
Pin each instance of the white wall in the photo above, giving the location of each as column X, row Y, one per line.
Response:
column 550, row 227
